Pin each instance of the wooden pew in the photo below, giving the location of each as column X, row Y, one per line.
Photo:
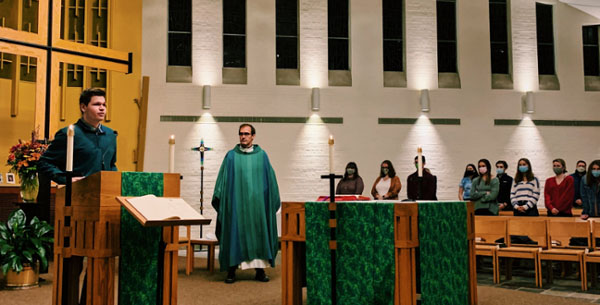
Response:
column 487, row 231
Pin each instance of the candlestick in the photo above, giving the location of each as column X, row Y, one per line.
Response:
column 172, row 154
column 331, row 154
column 70, row 142
column 420, row 161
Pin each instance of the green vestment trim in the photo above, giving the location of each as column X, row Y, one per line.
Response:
column 140, row 263
column 444, row 253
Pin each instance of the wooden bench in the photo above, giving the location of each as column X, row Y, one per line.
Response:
column 487, row 231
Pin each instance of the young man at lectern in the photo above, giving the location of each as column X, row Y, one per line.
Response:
column 246, row 198
column 95, row 146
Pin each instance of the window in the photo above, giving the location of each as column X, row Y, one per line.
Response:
column 499, row 37
column 338, row 33
column 393, row 33
column 545, row 39
column 591, row 51
column 446, row 36
column 234, row 33
column 180, row 33
column 286, row 34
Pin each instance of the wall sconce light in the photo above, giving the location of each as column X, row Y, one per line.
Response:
column 424, row 100
column 529, row 105
column 206, row 97
column 315, row 99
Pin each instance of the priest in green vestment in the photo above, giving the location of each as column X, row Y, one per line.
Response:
column 246, row 198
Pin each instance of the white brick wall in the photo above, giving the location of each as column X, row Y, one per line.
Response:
column 298, row 152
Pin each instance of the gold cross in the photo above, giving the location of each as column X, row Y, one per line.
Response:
column 98, row 39
column 3, row 60
column 28, row 64
column 77, row 6
column 98, row 72
column 99, row 8
column 76, row 69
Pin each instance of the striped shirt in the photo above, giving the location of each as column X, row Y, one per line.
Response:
column 528, row 191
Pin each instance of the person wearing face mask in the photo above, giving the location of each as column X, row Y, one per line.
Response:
column 525, row 191
column 484, row 190
column 559, row 191
column 464, row 187
column 387, row 185
column 590, row 191
column 505, row 181
column 352, row 183
column 424, row 188
column 577, row 176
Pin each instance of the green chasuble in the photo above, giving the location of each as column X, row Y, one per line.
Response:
column 246, row 198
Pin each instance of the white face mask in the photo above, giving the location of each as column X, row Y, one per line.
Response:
column 581, row 169
column 483, row 170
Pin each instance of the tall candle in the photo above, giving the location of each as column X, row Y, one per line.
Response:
column 331, row 154
column 70, row 142
column 420, row 161
column 172, row 154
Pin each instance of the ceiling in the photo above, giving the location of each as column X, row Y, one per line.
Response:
column 592, row 7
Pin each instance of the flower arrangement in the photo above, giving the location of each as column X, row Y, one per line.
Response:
column 24, row 156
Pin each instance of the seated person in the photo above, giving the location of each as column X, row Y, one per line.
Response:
column 352, row 183
column 387, row 185
column 421, row 190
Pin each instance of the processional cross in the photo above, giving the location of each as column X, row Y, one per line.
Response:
column 201, row 149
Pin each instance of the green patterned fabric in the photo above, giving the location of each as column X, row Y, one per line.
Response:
column 140, row 263
column 365, row 253
column 318, row 258
column 444, row 253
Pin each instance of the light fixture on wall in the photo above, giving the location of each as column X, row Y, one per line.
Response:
column 206, row 97
column 424, row 100
column 529, row 106
column 315, row 99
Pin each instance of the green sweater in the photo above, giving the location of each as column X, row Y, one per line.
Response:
column 481, row 197
column 95, row 149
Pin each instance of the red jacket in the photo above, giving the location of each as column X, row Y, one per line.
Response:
column 559, row 197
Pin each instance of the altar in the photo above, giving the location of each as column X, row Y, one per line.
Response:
column 384, row 252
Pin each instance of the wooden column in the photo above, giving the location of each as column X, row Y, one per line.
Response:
column 292, row 251
column 406, row 236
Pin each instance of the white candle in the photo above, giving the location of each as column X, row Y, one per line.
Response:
column 70, row 142
column 420, row 161
column 331, row 154
column 172, row 154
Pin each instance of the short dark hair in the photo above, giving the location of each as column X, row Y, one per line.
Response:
column 581, row 161
column 87, row 94
column 503, row 163
column 391, row 170
column 252, row 130
column 422, row 158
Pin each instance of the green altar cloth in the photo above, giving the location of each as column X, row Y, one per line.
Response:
column 365, row 262
column 140, row 263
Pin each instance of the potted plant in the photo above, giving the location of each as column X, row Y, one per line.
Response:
column 23, row 159
column 23, row 249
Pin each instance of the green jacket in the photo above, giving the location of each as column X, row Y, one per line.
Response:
column 479, row 194
column 95, row 149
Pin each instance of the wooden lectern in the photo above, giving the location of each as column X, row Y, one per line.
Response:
column 90, row 228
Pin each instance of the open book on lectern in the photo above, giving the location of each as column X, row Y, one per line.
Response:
column 150, row 210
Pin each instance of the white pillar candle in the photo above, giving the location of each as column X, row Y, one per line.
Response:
column 70, row 142
column 172, row 154
column 420, row 161
column 331, row 154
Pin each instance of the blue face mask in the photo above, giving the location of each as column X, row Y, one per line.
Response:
column 596, row 173
column 500, row 171
column 523, row 168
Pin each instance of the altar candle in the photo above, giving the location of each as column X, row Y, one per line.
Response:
column 331, row 154
column 172, row 154
column 70, row 141
column 420, row 161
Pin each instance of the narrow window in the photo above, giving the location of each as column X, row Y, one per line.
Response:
column 234, row 33
column 545, row 39
column 286, row 34
column 499, row 37
column 591, row 51
column 338, row 33
column 446, row 36
column 180, row 33
column 393, row 36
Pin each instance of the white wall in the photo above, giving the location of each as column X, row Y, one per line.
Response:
column 298, row 152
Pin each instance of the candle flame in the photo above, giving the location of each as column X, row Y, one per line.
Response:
column 172, row 139
column 71, row 131
column 330, row 139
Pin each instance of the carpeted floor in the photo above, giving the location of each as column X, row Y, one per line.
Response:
column 204, row 288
